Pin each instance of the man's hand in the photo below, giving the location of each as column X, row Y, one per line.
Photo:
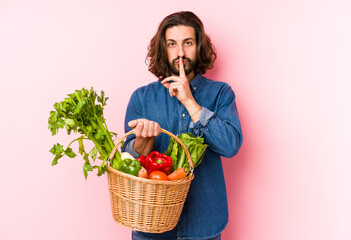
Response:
column 181, row 89
column 145, row 131
column 180, row 85
column 145, row 128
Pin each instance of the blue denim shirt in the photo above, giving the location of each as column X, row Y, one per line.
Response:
column 205, row 212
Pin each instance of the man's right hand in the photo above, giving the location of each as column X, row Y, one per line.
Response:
column 145, row 131
column 145, row 128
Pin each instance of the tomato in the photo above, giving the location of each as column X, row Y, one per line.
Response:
column 158, row 175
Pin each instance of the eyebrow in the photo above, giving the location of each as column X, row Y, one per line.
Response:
column 186, row 39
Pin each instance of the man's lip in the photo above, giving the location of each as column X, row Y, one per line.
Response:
column 184, row 62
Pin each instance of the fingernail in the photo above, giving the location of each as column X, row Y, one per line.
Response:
column 132, row 123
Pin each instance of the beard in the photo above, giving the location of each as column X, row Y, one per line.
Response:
column 188, row 67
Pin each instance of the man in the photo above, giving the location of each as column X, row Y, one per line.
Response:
column 183, row 100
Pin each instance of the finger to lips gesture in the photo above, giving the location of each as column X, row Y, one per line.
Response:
column 180, row 85
column 181, row 68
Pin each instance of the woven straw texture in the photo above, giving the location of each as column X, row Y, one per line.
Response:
column 147, row 205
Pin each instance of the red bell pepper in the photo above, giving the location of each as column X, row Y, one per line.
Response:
column 156, row 161
column 142, row 160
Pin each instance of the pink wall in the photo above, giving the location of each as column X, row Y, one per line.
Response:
column 288, row 62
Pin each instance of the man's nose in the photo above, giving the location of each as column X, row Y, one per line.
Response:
column 180, row 51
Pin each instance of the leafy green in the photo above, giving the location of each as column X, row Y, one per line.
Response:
column 82, row 112
column 195, row 146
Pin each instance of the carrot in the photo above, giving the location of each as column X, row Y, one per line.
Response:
column 177, row 174
column 143, row 173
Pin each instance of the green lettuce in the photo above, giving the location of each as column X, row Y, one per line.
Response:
column 195, row 146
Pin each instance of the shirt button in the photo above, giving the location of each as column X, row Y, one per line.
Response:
column 183, row 114
column 195, row 88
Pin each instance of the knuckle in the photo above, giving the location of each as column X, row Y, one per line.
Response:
column 137, row 133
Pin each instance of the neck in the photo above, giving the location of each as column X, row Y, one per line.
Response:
column 190, row 76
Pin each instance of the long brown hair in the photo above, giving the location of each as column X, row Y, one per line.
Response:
column 157, row 58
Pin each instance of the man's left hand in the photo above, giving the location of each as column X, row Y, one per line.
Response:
column 180, row 85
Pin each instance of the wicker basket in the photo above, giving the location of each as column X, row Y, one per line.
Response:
column 147, row 205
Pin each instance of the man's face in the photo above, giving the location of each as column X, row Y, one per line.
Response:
column 181, row 42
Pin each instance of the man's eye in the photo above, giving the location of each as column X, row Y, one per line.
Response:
column 170, row 44
column 188, row 43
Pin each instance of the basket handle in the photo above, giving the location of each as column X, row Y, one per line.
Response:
column 191, row 164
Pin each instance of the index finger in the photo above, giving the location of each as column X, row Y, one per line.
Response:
column 181, row 68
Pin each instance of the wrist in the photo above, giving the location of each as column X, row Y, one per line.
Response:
column 196, row 112
column 191, row 106
column 143, row 146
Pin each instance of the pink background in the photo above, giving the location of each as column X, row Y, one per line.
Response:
column 289, row 63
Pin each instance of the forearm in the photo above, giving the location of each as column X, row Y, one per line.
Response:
column 223, row 135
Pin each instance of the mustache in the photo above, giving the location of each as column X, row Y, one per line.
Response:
column 184, row 58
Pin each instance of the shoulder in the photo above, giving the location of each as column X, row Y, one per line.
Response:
column 215, row 85
column 150, row 88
